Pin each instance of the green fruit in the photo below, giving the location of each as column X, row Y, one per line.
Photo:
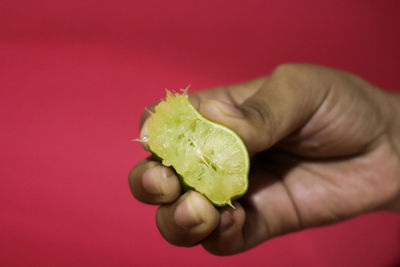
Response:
column 208, row 157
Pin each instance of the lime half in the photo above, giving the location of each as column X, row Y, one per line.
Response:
column 208, row 157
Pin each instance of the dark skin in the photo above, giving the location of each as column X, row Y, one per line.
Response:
column 325, row 147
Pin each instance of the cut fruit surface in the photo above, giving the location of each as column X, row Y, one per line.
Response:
column 210, row 158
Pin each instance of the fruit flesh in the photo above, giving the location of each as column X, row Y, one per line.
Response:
column 209, row 157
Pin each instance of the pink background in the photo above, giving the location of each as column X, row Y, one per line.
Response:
column 75, row 76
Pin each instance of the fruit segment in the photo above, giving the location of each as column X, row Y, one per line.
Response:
column 210, row 158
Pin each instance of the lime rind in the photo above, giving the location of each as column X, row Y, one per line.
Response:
column 210, row 158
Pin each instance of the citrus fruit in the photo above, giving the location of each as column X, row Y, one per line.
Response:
column 208, row 157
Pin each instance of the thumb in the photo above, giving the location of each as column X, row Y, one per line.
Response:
column 240, row 121
column 284, row 104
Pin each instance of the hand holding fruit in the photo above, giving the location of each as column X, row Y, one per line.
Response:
column 325, row 147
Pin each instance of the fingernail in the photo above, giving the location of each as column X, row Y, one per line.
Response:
column 151, row 180
column 225, row 220
column 225, row 108
column 186, row 215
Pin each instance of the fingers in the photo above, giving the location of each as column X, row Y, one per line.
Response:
column 269, row 211
column 152, row 183
column 284, row 103
column 228, row 236
column 233, row 95
column 188, row 220
column 236, row 93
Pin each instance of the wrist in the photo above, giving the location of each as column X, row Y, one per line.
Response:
column 394, row 122
column 393, row 132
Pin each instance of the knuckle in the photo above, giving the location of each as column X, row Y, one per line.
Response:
column 294, row 72
column 287, row 68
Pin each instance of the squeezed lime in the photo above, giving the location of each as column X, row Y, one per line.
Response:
column 209, row 158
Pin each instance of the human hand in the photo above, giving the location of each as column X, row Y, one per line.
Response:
column 325, row 147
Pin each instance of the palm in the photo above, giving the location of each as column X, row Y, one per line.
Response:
column 290, row 193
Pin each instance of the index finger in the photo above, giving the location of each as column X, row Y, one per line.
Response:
column 234, row 94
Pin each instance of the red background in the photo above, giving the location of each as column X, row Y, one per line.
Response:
column 75, row 77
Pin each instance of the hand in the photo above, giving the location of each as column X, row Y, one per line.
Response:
column 324, row 145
